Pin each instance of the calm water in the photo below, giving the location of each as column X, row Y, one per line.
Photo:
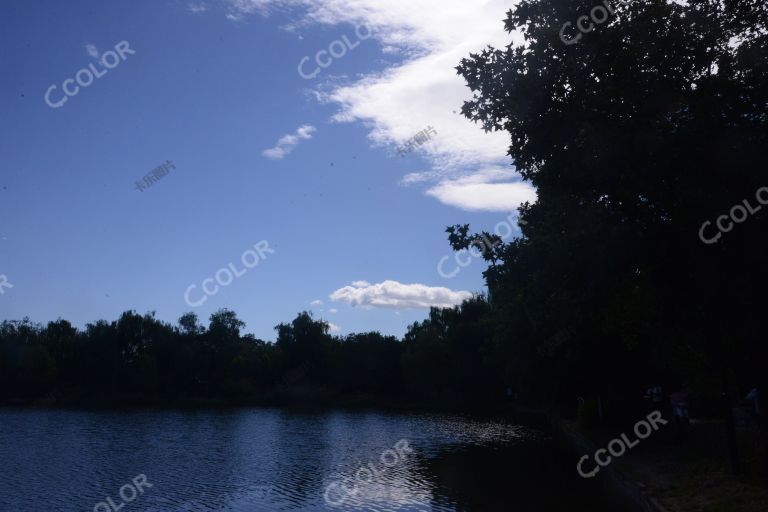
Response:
column 272, row 459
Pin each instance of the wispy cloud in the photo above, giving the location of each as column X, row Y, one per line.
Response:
column 239, row 8
column 317, row 302
column 287, row 142
column 420, row 177
column 431, row 36
column 394, row 295
column 197, row 7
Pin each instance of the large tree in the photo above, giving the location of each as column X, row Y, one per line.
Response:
column 634, row 133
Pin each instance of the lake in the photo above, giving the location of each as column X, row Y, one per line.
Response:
column 277, row 459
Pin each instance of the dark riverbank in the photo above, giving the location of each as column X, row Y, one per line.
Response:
column 296, row 398
column 672, row 471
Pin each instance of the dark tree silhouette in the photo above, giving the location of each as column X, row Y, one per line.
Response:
column 652, row 124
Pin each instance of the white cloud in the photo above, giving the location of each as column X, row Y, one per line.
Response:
column 333, row 310
column 92, row 50
column 317, row 302
column 197, row 7
column 482, row 191
column 287, row 142
column 483, row 196
column 432, row 36
column 491, row 189
column 395, row 295
column 360, row 284
column 333, row 328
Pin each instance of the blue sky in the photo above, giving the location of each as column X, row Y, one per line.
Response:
column 260, row 154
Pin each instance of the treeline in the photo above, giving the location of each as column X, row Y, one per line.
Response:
column 442, row 357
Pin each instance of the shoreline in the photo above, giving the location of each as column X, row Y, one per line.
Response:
column 668, row 473
column 293, row 399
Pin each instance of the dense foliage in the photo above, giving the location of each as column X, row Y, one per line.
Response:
column 655, row 122
column 140, row 356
